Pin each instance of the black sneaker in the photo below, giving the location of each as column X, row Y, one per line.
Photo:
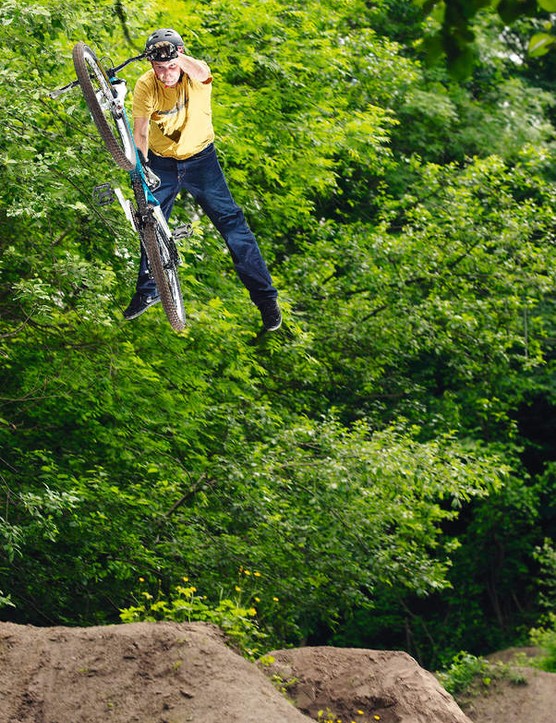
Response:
column 271, row 314
column 139, row 304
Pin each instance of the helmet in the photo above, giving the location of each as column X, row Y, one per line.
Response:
column 162, row 45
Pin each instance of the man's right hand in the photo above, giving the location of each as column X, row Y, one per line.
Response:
column 151, row 179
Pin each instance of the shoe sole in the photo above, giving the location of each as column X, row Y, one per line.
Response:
column 130, row 317
column 274, row 328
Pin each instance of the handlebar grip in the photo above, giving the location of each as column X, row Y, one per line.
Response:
column 55, row 93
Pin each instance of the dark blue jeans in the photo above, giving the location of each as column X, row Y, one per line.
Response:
column 202, row 176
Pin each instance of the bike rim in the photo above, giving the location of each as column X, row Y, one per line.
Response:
column 108, row 115
column 165, row 275
column 162, row 258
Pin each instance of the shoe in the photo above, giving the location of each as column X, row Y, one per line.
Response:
column 139, row 304
column 271, row 314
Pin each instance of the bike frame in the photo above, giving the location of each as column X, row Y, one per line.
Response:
column 107, row 96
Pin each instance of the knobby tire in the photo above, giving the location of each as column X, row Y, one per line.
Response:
column 111, row 123
column 162, row 258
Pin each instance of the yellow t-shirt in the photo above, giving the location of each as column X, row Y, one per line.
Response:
column 180, row 117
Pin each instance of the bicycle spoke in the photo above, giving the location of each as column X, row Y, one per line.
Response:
column 106, row 106
column 162, row 256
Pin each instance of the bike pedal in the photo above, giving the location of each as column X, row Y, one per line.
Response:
column 183, row 231
column 103, row 195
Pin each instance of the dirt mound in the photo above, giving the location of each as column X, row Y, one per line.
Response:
column 364, row 685
column 173, row 673
column 147, row 672
column 527, row 696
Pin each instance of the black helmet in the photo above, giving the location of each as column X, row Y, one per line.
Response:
column 162, row 45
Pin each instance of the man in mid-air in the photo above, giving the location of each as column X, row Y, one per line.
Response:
column 172, row 127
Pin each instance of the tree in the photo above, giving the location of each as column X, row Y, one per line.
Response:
column 456, row 36
column 376, row 441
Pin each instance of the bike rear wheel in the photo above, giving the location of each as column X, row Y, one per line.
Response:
column 106, row 109
column 163, row 261
column 165, row 274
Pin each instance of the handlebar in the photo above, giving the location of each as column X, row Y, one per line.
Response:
column 111, row 72
column 55, row 93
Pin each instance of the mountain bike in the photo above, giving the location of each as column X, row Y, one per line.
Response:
column 104, row 94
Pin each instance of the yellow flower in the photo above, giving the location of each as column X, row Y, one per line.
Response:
column 185, row 579
column 246, row 572
column 141, row 579
column 257, row 599
column 360, row 712
column 257, row 574
column 376, row 717
column 276, row 599
column 237, row 588
column 252, row 611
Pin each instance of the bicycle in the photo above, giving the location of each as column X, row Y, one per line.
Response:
column 104, row 94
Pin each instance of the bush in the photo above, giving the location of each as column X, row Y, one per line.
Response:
column 464, row 672
column 545, row 638
column 235, row 618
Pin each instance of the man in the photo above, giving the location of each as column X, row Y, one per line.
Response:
column 172, row 127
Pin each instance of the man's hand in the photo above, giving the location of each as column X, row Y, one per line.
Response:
column 152, row 180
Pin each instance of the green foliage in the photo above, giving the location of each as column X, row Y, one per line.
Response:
column 470, row 675
column 234, row 616
column 359, row 511
column 545, row 555
column 369, row 456
column 456, row 36
column 5, row 601
column 545, row 638
column 463, row 672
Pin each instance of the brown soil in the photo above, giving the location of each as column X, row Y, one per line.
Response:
column 173, row 673
column 528, row 695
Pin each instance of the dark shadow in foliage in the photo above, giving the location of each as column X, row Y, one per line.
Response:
column 455, row 40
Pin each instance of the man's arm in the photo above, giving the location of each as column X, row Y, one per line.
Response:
column 141, row 134
column 195, row 69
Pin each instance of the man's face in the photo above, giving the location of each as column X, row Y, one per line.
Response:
column 167, row 72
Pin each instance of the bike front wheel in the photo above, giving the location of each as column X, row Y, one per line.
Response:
column 105, row 106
